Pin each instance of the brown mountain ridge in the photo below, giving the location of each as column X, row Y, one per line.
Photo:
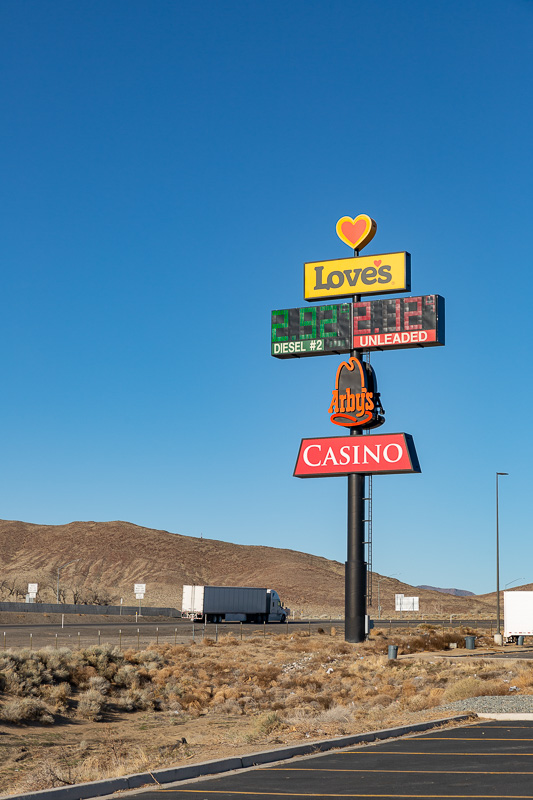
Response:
column 109, row 557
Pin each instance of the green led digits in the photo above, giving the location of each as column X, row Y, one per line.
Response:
column 278, row 327
column 307, row 318
column 331, row 319
column 311, row 331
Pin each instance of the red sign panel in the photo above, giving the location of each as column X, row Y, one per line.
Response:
column 379, row 453
column 394, row 324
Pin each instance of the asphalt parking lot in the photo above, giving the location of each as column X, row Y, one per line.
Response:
column 481, row 760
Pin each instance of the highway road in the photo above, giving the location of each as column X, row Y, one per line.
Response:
column 127, row 632
column 80, row 631
column 482, row 760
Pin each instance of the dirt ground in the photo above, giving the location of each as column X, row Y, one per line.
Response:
column 212, row 700
column 33, row 757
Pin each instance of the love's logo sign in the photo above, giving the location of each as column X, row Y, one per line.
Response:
column 356, row 232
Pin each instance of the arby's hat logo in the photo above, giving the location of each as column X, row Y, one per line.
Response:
column 356, row 401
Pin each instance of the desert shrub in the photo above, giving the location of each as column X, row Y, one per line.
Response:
column 127, row 675
column 24, row 709
column 423, row 700
column 263, row 676
column 137, row 700
column 91, row 704
column 152, row 656
column 82, row 673
column 299, row 681
column 380, row 700
column 104, row 659
column 24, row 673
column 341, row 648
column 195, row 699
column 471, row 686
column 58, row 696
column 99, row 684
column 524, row 679
column 231, row 706
column 309, row 720
column 148, row 657
column 226, row 692
column 336, row 715
column 57, row 662
column 432, row 641
column 231, row 639
column 247, row 702
column 266, row 723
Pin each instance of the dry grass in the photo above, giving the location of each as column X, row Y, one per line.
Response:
column 224, row 695
column 24, row 709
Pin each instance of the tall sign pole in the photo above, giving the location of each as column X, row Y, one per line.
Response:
column 355, row 566
column 361, row 325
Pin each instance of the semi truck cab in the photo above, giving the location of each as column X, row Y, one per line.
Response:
column 277, row 612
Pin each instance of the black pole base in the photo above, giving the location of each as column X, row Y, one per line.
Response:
column 354, row 601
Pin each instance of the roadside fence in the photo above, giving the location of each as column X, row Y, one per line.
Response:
column 140, row 634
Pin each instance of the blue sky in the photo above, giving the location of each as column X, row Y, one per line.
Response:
column 166, row 169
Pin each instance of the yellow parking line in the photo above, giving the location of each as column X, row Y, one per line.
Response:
column 474, row 739
column 407, row 771
column 425, row 753
column 261, row 793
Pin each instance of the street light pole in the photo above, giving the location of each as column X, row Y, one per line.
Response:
column 498, row 621
column 59, row 570
column 379, row 580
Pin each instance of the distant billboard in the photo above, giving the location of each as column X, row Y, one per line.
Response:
column 403, row 603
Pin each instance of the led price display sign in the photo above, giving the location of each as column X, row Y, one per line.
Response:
column 390, row 324
column 312, row 331
column 398, row 323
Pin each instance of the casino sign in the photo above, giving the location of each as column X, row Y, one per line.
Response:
column 342, row 455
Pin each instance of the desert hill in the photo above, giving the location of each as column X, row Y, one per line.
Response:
column 457, row 592
column 111, row 556
column 490, row 597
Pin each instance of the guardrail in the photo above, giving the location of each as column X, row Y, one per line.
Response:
column 79, row 608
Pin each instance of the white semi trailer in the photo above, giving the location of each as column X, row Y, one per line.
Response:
column 232, row 604
column 517, row 615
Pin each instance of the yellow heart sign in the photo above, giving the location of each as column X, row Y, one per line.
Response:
column 356, row 232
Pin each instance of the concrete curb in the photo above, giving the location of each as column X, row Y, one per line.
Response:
column 81, row 791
